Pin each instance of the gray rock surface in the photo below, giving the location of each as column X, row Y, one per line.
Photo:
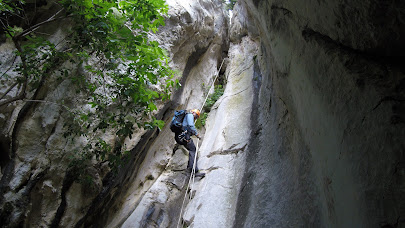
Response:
column 222, row 153
column 309, row 132
column 329, row 130
column 36, row 190
column 153, row 195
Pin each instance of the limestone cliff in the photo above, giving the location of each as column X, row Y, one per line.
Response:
column 328, row 146
column 36, row 187
column 308, row 133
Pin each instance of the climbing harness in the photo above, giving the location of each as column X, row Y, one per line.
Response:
column 183, row 136
column 192, row 176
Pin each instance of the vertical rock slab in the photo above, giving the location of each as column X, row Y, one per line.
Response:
column 223, row 150
column 329, row 143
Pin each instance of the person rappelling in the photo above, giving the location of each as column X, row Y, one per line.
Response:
column 183, row 127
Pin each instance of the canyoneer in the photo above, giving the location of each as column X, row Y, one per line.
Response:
column 183, row 127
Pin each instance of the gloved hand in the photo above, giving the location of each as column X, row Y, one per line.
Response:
column 198, row 136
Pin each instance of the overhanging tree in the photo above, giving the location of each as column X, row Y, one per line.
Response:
column 109, row 40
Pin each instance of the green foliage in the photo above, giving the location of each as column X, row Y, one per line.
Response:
column 201, row 121
column 77, row 167
column 10, row 6
column 229, row 4
column 212, row 98
column 109, row 40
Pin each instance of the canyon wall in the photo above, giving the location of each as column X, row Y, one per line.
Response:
column 308, row 133
column 328, row 149
column 37, row 188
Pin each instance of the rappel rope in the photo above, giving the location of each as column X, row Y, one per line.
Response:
column 192, row 176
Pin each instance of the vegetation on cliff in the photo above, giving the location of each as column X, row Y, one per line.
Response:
column 115, row 65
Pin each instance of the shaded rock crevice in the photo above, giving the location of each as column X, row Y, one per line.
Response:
column 285, row 11
column 114, row 184
column 191, row 62
column 333, row 45
column 25, row 191
column 70, row 177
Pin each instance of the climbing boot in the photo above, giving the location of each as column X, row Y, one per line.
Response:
column 202, row 175
column 176, row 146
column 188, row 170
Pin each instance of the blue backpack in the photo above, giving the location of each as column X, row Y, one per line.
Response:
column 177, row 121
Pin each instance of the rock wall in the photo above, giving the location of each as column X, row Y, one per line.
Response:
column 153, row 196
column 36, row 188
column 148, row 191
column 309, row 131
column 328, row 149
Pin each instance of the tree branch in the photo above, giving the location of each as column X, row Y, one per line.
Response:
column 8, row 90
column 5, row 72
column 4, row 26
column 34, row 27
column 21, row 95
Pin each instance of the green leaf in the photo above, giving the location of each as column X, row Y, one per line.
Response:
column 152, row 106
column 160, row 124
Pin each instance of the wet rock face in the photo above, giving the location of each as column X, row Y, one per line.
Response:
column 329, row 133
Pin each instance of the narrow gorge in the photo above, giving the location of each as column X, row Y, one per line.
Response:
column 309, row 131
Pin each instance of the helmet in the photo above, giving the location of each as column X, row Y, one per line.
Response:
column 196, row 111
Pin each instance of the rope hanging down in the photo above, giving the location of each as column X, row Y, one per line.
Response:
column 192, row 176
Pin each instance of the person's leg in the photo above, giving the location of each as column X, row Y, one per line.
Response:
column 191, row 155
column 176, row 137
column 190, row 147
